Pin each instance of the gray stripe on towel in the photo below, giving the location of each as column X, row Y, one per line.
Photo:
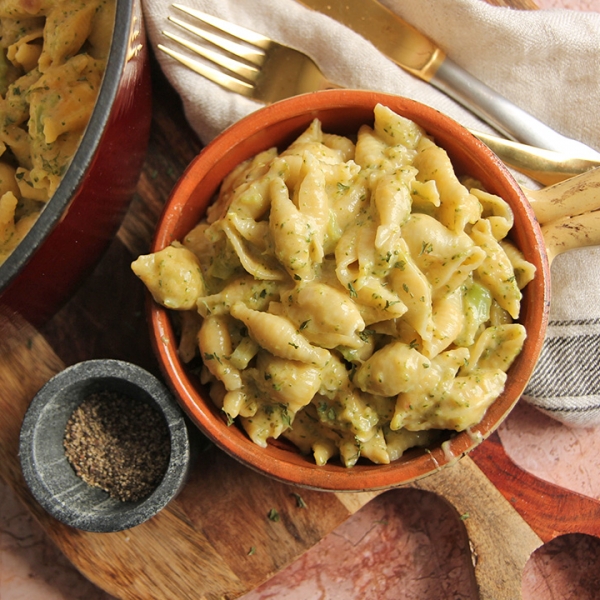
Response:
column 565, row 384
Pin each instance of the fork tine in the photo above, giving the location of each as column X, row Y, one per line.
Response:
column 254, row 56
column 227, row 81
column 235, row 66
column 247, row 35
column 281, row 72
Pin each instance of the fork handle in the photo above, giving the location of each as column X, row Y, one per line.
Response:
column 499, row 112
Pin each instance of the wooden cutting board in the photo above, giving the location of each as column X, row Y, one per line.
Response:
column 199, row 546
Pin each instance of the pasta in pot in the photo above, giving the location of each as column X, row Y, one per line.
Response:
column 356, row 297
column 52, row 59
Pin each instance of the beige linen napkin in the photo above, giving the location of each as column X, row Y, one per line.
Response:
column 547, row 62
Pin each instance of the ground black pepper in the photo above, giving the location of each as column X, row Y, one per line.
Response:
column 118, row 444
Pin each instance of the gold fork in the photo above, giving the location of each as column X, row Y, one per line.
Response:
column 268, row 71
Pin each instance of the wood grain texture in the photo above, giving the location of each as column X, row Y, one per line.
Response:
column 26, row 362
column 216, row 539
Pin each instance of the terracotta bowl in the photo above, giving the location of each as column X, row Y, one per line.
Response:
column 343, row 112
column 83, row 215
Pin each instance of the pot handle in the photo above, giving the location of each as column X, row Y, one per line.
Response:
column 569, row 212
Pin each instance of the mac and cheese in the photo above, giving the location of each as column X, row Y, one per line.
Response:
column 353, row 297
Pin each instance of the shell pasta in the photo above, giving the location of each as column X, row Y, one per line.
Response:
column 351, row 295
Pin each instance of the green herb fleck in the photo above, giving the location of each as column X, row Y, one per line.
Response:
column 426, row 248
column 304, row 325
column 299, row 500
column 213, row 356
column 273, row 515
column 230, row 420
column 364, row 335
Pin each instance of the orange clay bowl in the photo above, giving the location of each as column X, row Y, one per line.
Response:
column 342, row 112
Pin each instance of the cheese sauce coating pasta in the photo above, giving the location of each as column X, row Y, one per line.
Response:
column 52, row 58
column 353, row 297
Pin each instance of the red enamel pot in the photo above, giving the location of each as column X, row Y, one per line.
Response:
column 82, row 217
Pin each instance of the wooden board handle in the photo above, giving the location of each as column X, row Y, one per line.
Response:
column 501, row 541
column 549, row 509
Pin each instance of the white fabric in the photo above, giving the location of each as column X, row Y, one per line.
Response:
column 547, row 62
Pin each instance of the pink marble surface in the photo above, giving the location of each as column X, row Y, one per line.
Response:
column 589, row 5
column 405, row 544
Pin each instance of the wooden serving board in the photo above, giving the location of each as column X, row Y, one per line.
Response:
column 199, row 546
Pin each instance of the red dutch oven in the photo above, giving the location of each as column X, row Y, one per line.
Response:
column 76, row 226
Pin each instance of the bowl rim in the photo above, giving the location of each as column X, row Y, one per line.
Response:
column 66, row 191
column 94, row 374
column 285, row 467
